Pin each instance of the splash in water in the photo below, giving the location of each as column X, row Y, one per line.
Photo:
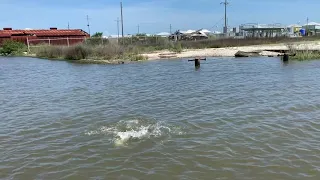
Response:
column 124, row 132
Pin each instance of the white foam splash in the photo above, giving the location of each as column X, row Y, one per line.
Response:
column 123, row 137
column 91, row 133
column 125, row 131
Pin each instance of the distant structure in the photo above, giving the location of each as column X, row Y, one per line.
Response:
column 312, row 28
column 189, row 35
column 58, row 36
column 254, row 30
column 225, row 28
column 163, row 34
column 294, row 30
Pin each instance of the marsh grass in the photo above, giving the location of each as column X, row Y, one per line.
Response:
column 302, row 55
column 85, row 52
column 306, row 55
column 113, row 51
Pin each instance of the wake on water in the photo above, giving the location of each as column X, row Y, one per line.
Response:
column 124, row 132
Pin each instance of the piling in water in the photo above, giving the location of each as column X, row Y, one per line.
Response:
column 285, row 57
column 197, row 61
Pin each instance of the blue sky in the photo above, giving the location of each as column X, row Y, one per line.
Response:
column 153, row 16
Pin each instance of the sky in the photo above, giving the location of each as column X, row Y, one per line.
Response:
column 153, row 16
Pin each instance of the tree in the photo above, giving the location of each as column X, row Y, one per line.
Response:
column 97, row 35
column 10, row 47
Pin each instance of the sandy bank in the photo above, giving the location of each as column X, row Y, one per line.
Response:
column 231, row 51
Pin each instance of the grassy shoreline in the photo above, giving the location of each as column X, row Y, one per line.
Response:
column 303, row 54
column 306, row 55
column 113, row 53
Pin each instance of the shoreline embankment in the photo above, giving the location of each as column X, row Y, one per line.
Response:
column 116, row 55
column 262, row 50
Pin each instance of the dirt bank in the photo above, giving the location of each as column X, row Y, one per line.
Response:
column 264, row 50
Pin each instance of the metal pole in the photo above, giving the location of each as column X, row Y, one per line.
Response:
column 225, row 16
column 118, row 28
column 88, row 25
column 121, row 20
column 68, row 41
column 225, row 3
column 138, row 29
column 28, row 43
column 307, row 28
column 170, row 29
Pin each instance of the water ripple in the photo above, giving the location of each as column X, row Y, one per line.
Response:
column 232, row 119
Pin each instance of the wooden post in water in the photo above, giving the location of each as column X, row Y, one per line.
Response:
column 28, row 44
column 285, row 57
column 197, row 61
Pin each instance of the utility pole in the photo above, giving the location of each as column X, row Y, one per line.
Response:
column 88, row 25
column 121, row 19
column 225, row 3
column 138, row 29
column 170, row 29
column 118, row 28
column 307, row 27
column 68, row 25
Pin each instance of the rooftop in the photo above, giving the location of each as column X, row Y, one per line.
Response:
column 7, row 32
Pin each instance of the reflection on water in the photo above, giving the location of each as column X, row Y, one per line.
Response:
column 248, row 118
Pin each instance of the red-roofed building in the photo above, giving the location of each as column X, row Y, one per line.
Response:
column 52, row 36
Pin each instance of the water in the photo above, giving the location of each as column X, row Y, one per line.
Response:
column 251, row 118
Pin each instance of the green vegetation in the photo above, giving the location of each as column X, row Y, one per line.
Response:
column 51, row 52
column 306, row 55
column 97, row 35
column 303, row 55
column 89, row 52
column 176, row 47
column 76, row 53
column 132, row 48
column 10, row 47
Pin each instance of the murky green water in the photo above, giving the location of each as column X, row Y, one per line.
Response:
column 232, row 119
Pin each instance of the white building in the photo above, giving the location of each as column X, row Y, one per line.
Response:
column 164, row 34
column 312, row 28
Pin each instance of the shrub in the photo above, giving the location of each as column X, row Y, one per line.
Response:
column 107, row 52
column 177, row 47
column 10, row 47
column 138, row 57
column 76, row 53
column 95, row 41
column 51, row 52
column 306, row 55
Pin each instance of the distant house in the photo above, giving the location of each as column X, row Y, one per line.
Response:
column 206, row 31
column 312, row 28
column 294, row 28
column 164, row 34
column 255, row 30
column 190, row 31
column 188, row 35
column 198, row 35
column 53, row 35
